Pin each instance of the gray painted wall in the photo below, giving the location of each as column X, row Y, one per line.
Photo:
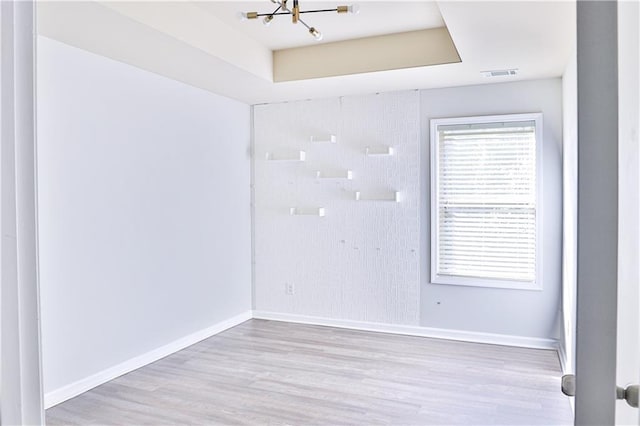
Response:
column 503, row 311
column 144, row 211
column 597, row 212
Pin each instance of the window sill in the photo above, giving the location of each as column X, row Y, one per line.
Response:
column 486, row 283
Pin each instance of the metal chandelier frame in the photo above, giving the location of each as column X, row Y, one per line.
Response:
column 295, row 13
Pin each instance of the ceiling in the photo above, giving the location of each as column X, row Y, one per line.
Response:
column 204, row 44
column 374, row 18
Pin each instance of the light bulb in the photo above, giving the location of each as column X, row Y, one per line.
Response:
column 243, row 16
column 315, row 33
column 354, row 9
column 267, row 20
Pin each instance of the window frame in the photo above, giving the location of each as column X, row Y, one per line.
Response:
column 436, row 278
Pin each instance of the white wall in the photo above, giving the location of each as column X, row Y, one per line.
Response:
column 369, row 261
column 144, row 213
column 502, row 311
column 628, row 321
column 360, row 261
column 570, row 212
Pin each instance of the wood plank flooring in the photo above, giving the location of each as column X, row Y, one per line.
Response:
column 277, row 373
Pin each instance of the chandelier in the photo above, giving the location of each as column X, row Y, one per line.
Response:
column 295, row 13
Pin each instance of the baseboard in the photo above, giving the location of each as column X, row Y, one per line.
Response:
column 74, row 389
column 562, row 356
column 438, row 333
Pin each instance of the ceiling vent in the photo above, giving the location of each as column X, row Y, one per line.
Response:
column 500, row 73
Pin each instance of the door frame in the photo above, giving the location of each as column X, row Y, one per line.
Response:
column 597, row 235
column 21, row 399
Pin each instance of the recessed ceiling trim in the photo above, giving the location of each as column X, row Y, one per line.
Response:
column 191, row 24
column 370, row 54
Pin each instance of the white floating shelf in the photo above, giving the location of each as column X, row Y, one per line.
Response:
column 324, row 139
column 379, row 150
column 296, row 156
column 316, row 211
column 389, row 196
column 345, row 174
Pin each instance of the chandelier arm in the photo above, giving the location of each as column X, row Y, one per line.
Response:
column 275, row 11
column 282, row 5
column 273, row 14
column 319, row 10
column 304, row 23
column 288, row 12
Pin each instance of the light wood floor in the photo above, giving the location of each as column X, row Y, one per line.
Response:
column 272, row 373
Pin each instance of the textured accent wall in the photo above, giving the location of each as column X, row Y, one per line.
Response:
column 359, row 261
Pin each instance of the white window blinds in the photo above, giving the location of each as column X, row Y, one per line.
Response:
column 486, row 200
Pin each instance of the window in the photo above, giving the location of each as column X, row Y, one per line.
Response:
column 485, row 201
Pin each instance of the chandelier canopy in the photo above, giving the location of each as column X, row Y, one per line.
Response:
column 295, row 13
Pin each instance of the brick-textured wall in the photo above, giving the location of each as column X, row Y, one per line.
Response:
column 361, row 260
